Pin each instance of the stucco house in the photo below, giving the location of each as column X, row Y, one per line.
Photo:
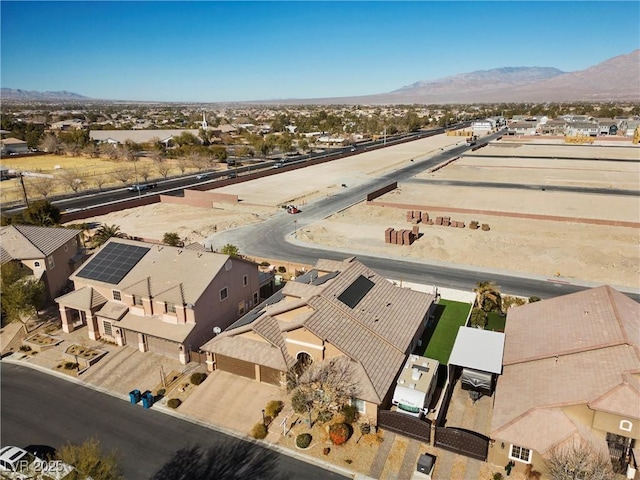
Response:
column 13, row 145
column 586, row 129
column 158, row 298
column 571, row 375
column 51, row 254
column 338, row 310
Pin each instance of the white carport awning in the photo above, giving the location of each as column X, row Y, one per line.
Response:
column 478, row 349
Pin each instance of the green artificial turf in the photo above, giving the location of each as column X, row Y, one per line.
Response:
column 449, row 317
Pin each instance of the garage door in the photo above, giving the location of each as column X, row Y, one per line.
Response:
column 235, row 366
column 270, row 375
column 162, row 346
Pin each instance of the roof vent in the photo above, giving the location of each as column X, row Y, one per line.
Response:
column 414, row 358
column 401, row 381
column 412, row 386
column 415, row 374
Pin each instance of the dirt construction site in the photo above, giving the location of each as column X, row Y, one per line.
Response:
column 559, row 211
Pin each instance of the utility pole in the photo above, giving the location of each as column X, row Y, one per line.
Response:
column 24, row 190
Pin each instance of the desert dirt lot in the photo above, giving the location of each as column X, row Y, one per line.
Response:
column 581, row 251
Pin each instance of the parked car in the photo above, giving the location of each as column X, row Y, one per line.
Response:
column 16, row 460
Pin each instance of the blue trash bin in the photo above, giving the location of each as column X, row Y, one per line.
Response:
column 147, row 399
column 134, row 396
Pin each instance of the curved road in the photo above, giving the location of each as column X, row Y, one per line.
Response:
column 275, row 238
column 40, row 409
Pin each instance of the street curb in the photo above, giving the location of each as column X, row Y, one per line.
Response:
column 169, row 411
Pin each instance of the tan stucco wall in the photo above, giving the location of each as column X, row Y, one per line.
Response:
column 499, row 457
column 331, row 351
column 607, row 422
column 313, row 345
column 252, row 336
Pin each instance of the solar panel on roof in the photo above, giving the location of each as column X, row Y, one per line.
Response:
column 113, row 262
column 356, row 291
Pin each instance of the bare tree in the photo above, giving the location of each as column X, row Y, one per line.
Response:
column 163, row 169
column 123, row 175
column 99, row 180
column 195, row 160
column 43, row 186
column 50, row 143
column 110, row 150
column 328, row 385
column 72, row 149
column 91, row 150
column 183, row 164
column 72, row 179
column 579, row 461
column 157, row 156
column 144, row 170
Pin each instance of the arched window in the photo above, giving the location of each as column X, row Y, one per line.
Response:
column 626, row 425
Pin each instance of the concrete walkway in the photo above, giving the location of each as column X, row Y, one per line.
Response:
column 383, row 452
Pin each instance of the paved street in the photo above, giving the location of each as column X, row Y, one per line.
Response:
column 42, row 409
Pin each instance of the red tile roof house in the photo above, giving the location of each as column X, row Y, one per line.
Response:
column 571, row 374
column 158, row 298
column 340, row 309
column 51, row 254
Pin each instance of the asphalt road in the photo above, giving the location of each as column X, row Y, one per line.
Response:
column 40, row 409
column 176, row 186
column 275, row 238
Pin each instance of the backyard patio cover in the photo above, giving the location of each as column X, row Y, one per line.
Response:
column 478, row 349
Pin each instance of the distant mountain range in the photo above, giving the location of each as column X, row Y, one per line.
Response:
column 616, row 79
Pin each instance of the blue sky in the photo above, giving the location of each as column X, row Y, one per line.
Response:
column 225, row 51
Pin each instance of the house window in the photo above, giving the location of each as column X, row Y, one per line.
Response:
column 356, row 402
column 224, row 293
column 255, row 298
column 116, row 295
column 107, row 328
column 36, row 264
column 137, row 300
column 51, row 262
column 169, row 307
column 626, row 425
column 520, row 453
column 245, row 281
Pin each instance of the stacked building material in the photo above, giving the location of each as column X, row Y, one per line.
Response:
column 387, row 235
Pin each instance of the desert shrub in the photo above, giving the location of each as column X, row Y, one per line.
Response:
column 161, row 392
column 273, row 408
column 365, row 428
column 70, row 365
column 174, row 403
column 282, row 269
column 339, row 433
column 534, row 299
column 303, row 440
column 497, row 476
column 349, row 461
column 25, row 348
column 259, row 431
column 299, row 402
column 350, row 413
column 324, row 416
column 198, row 377
column 265, row 264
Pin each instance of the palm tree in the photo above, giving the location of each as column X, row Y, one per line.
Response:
column 488, row 296
column 104, row 233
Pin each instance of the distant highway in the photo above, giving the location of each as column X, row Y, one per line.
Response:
column 176, row 186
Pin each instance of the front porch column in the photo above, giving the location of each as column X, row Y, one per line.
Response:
column 142, row 346
column 92, row 325
column 67, row 326
column 119, row 337
column 209, row 361
column 183, row 357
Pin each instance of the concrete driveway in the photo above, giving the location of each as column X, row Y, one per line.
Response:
column 231, row 401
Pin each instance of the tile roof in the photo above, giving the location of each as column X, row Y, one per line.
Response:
column 156, row 327
column 376, row 333
column 579, row 349
column 85, row 298
column 590, row 319
column 170, row 274
column 29, row 241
